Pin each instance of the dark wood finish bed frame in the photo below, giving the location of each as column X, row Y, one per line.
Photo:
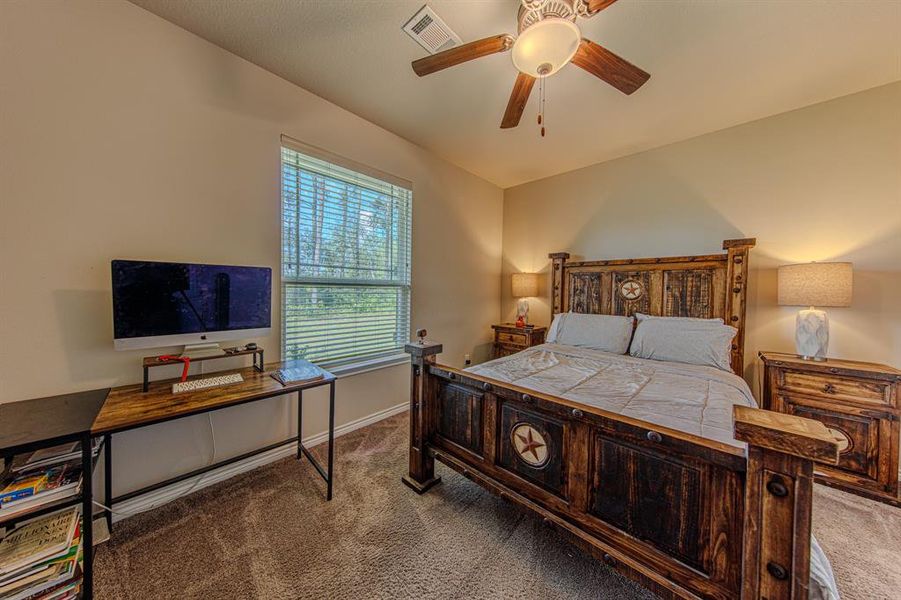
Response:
column 686, row 516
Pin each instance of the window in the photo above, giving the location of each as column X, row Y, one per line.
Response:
column 345, row 259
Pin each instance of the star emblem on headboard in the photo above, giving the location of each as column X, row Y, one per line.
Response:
column 631, row 289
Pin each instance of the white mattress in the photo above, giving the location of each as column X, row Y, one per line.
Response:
column 690, row 398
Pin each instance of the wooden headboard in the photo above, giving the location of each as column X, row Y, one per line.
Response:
column 708, row 286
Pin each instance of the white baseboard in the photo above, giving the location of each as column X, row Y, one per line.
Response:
column 177, row 490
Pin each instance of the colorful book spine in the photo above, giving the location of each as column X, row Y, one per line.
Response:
column 22, row 488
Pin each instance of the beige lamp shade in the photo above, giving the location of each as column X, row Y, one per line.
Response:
column 525, row 285
column 815, row 284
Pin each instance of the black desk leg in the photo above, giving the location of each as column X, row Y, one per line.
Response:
column 299, row 423
column 331, row 438
column 87, row 517
column 108, row 480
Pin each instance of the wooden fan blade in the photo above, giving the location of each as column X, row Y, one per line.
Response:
column 596, row 6
column 613, row 69
column 462, row 54
column 518, row 98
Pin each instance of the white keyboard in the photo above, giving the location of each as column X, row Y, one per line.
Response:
column 202, row 384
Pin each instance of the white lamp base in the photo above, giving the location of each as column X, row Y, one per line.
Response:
column 522, row 310
column 812, row 334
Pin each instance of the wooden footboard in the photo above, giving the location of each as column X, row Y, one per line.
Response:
column 688, row 517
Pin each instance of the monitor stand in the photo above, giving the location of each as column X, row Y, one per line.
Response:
column 202, row 350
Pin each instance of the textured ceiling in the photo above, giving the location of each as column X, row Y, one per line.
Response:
column 713, row 64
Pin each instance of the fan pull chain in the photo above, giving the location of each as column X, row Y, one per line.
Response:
column 541, row 97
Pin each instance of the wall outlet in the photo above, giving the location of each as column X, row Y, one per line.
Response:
column 467, row 360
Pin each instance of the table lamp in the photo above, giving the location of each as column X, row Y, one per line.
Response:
column 814, row 284
column 525, row 285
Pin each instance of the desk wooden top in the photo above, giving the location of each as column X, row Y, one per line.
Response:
column 128, row 407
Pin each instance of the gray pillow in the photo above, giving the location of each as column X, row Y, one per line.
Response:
column 686, row 340
column 609, row 333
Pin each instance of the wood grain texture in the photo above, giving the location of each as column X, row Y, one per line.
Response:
column 585, row 293
column 596, row 6
column 463, row 53
column 459, row 416
column 606, row 65
column 688, row 293
column 705, row 286
column 522, row 88
column 128, row 407
column 858, row 401
column 784, row 433
column 510, row 339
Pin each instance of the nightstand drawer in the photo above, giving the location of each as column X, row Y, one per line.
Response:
column 835, row 387
column 515, row 339
column 861, row 432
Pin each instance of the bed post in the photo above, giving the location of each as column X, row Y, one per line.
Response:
column 736, row 295
column 557, row 283
column 778, row 500
column 422, row 406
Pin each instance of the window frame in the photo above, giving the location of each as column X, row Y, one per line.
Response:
column 363, row 362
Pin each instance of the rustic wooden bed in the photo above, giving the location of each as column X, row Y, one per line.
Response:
column 684, row 515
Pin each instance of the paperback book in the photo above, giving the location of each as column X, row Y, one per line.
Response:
column 37, row 487
column 40, row 559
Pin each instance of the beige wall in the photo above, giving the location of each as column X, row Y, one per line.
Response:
column 124, row 136
column 821, row 183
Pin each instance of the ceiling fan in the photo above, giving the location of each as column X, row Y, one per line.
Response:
column 548, row 39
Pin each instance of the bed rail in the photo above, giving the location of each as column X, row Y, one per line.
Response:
column 687, row 516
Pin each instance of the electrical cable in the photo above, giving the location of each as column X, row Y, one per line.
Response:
column 174, row 495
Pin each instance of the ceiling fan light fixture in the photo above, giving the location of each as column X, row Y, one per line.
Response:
column 551, row 41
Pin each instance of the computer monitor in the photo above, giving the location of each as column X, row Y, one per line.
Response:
column 158, row 304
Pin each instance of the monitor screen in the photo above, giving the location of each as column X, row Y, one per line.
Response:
column 157, row 299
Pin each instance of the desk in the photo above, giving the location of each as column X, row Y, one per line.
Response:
column 128, row 408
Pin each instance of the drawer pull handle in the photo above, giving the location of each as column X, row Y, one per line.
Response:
column 777, row 571
column 833, row 370
column 777, row 488
column 526, row 398
column 486, row 387
column 654, row 437
column 451, row 376
column 610, row 560
column 829, row 388
column 577, row 412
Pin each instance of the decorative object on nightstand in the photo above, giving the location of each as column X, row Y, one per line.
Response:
column 814, row 284
column 859, row 402
column 525, row 285
column 510, row 339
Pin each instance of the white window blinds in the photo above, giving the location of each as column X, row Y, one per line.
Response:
column 345, row 260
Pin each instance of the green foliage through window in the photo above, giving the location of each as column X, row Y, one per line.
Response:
column 345, row 262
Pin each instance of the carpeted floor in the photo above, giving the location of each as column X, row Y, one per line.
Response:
column 270, row 534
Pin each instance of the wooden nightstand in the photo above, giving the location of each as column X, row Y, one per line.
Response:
column 510, row 339
column 859, row 401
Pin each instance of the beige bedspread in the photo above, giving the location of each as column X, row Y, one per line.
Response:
column 689, row 398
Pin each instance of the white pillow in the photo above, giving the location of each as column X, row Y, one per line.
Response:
column 609, row 333
column 684, row 339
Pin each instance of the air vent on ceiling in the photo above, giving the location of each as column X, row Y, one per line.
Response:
column 431, row 32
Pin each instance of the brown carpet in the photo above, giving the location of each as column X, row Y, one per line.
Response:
column 270, row 534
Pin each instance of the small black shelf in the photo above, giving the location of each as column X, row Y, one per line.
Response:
column 31, row 425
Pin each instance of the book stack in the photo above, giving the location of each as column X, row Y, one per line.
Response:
column 47, row 475
column 41, row 559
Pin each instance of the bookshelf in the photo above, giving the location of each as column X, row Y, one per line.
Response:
column 41, row 423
